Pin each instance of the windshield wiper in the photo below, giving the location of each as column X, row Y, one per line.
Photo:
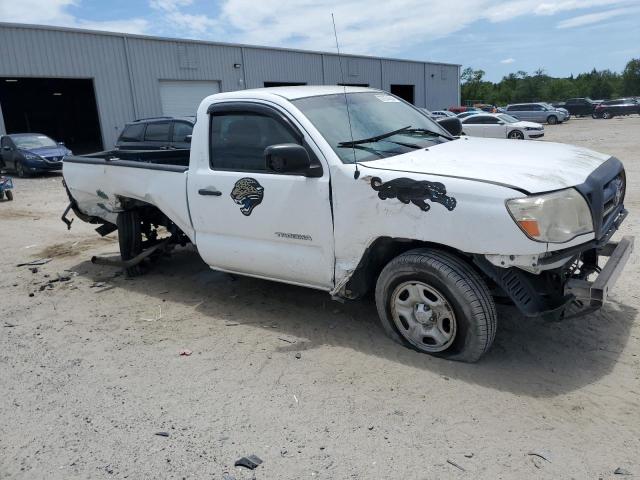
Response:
column 377, row 138
column 424, row 130
column 366, row 149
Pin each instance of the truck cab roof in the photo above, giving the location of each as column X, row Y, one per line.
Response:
column 294, row 92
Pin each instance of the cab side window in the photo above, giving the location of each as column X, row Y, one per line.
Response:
column 181, row 130
column 238, row 140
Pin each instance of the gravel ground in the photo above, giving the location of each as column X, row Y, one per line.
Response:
column 90, row 369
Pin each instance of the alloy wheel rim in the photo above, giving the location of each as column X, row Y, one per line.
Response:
column 423, row 316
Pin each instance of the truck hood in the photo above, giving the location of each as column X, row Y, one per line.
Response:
column 528, row 166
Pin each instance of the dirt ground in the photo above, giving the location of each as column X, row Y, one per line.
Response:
column 90, row 369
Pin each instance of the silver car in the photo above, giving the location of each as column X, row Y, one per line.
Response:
column 536, row 112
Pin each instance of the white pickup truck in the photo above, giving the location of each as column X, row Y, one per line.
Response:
column 354, row 190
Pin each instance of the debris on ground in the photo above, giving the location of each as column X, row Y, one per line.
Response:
column 298, row 355
column 469, row 455
column 540, row 454
column 8, row 325
column 228, row 476
column 155, row 319
column 286, row 340
column 162, row 434
column 451, row 462
column 41, row 261
column 185, row 352
column 621, row 471
column 250, row 462
column 97, row 284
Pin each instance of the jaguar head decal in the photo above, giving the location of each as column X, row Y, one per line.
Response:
column 247, row 193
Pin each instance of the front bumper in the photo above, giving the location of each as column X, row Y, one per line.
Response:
column 535, row 134
column 43, row 165
column 594, row 293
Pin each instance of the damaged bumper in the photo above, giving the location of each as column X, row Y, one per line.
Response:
column 594, row 293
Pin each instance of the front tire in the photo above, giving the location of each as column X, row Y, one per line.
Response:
column 435, row 303
column 552, row 120
column 607, row 115
column 516, row 135
column 20, row 170
column 130, row 239
column 9, row 195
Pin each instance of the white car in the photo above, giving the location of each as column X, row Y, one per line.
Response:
column 500, row 125
column 281, row 184
column 442, row 114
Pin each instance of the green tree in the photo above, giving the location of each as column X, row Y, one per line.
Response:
column 631, row 78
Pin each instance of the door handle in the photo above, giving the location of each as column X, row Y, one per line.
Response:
column 208, row 191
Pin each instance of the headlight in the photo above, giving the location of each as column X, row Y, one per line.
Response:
column 32, row 156
column 553, row 217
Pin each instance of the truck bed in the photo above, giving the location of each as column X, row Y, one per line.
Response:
column 100, row 181
column 171, row 160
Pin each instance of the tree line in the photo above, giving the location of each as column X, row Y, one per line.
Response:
column 540, row 87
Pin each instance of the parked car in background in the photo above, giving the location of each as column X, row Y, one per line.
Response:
column 500, row 125
column 614, row 108
column 536, row 112
column 29, row 153
column 485, row 107
column 467, row 114
column 579, row 107
column 463, row 109
column 441, row 113
column 157, row 133
column 562, row 109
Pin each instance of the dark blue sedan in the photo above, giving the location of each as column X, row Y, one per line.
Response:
column 29, row 153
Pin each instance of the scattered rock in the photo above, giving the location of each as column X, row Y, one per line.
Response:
column 250, row 462
column 298, row 355
column 34, row 269
column 31, row 294
column 469, row 455
column 228, row 476
column 185, row 352
column 370, row 427
column 621, row 471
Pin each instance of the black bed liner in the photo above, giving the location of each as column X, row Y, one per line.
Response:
column 165, row 160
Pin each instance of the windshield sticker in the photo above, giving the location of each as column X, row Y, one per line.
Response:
column 408, row 191
column 247, row 193
column 387, row 98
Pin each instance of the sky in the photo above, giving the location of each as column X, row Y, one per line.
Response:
column 499, row 36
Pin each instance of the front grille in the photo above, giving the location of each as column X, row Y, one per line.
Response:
column 604, row 190
column 53, row 159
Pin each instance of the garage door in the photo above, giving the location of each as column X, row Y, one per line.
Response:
column 181, row 98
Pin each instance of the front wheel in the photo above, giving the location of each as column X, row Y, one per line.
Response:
column 552, row 120
column 20, row 170
column 516, row 135
column 434, row 302
column 9, row 195
column 607, row 115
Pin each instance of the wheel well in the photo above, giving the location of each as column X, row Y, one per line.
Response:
column 379, row 254
column 151, row 214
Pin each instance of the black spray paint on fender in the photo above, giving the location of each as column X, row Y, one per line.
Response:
column 408, row 190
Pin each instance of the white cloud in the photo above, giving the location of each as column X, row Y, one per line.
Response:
column 54, row 12
column 507, row 61
column 173, row 15
column 591, row 18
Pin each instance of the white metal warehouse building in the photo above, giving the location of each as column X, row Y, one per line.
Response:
column 81, row 86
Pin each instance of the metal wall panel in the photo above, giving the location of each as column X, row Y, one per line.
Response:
column 404, row 73
column 30, row 52
column 443, row 88
column 264, row 65
column 155, row 60
column 355, row 69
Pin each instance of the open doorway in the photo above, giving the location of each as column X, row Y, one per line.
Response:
column 406, row 92
column 62, row 108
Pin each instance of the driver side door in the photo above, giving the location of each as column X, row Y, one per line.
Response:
column 8, row 152
column 251, row 220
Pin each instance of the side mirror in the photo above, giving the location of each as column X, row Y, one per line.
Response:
column 501, row 123
column 451, row 125
column 188, row 138
column 61, row 144
column 7, row 148
column 287, row 158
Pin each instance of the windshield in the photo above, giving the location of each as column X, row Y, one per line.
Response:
column 27, row 142
column 508, row 118
column 382, row 125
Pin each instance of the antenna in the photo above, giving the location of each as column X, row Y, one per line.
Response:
column 356, row 174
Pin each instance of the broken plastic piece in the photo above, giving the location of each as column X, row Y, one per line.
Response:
column 250, row 462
